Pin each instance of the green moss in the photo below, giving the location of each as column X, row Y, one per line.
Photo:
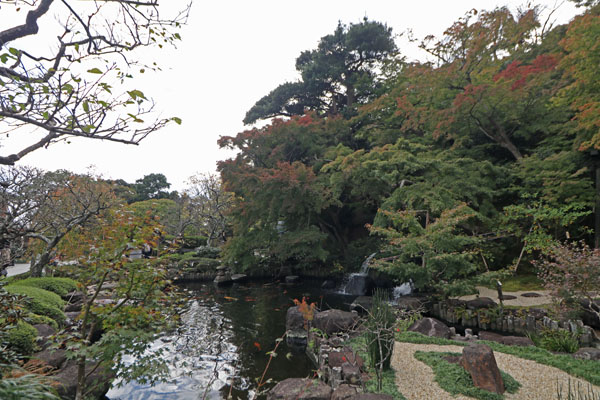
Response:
column 454, row 379
column 520, row 283
column 21, row 338
column 41, row 302
column 60, row 286
column 585, row 369
column 41, row 319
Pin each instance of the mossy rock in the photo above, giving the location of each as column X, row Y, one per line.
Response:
column 41, row 302
column 21, row 338
column 35, row 319
column 60, row 286
column 199, row 264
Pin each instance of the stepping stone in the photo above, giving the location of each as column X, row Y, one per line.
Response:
column 531, row 294
column 508, row 297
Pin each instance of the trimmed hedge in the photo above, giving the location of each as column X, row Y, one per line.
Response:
column 22, row 337
column 60, row 286
column 41, row 302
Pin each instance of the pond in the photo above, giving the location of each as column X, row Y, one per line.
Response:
column 224, row 336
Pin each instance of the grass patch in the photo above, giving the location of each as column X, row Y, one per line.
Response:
column 454, row 379
column 585, row 369
column 60, row 286
column 40, row 301
column 520, row 283
column 359, row 346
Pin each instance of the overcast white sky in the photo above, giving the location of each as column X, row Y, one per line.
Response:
column 232, row 54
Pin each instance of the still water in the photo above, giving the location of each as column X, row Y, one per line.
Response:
column 223, row 339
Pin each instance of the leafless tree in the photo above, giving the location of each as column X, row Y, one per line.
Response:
column 65, row 89
column 208, row 205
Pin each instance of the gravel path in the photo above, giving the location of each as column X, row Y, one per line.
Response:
column 415, row 379
column 545, row 297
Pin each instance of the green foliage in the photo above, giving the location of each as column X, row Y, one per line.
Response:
column 151, row 186
column 585, row 369
column 41, row 302
column 21, row 338
column 31, row 387
column 559, row 340
column 380, row 331
column 208, row 252
column 60, row 286
column 436, row 255
column 388, row 377
column 35, row 319
column 454, row 379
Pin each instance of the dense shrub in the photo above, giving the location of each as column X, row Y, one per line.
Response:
column 208, row 252
column 41, row 302
column 21, row 338
column 60, row 286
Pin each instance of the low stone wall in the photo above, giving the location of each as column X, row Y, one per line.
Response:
column 519, row 322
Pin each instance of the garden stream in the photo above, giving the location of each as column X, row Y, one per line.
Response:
column 223, row 338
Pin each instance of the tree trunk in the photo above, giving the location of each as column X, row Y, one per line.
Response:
column 350, row 95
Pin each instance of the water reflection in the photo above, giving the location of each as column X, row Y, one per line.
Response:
column 223, row 339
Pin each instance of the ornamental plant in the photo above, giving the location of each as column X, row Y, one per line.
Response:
column 572, row 272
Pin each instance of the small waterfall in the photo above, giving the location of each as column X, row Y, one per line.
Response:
column 358, row 283
column 404, row 290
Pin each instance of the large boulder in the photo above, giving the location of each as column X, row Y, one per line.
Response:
column 589, row 317
column 344, row 392
column 294, row 320
column 97, row 383
column 508, row 340
column 431, row 327
column 51, row 357
column 362, row 304
column 587, row 353
column 332, row 321
column 478, row 359
column 300, row 389
column 481, row 302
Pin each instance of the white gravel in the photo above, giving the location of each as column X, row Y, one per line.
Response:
column 415, row 380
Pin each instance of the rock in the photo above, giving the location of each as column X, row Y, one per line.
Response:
column 297, row 340
column 531, row 294
column 508, row 297
column 222, row 280
column 239, row 277
column 588, row 353
column 72, row 317
column 292, row 279
column 410, row 303
column 332, row 321
column 507, row 340
column 590, row 318
column 98, row 382
column 44, row 330
column 430, row 327
column 300, row 389
column 491, row 336
column 222, row 268
column 480, row 302
column 344, row 392
column 517, row 341
column 362, row 304
column 52, row 357
column 339, row 358
column 351, row 373
column 358, row 284
column 74, row 297
column 328, row 284
column 537, row 313
column 478, row 359
column 71, row 307
column 371, row 396
column 294, row 320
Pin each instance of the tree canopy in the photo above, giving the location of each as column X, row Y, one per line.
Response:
column 67, row 88
column 341, row 71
